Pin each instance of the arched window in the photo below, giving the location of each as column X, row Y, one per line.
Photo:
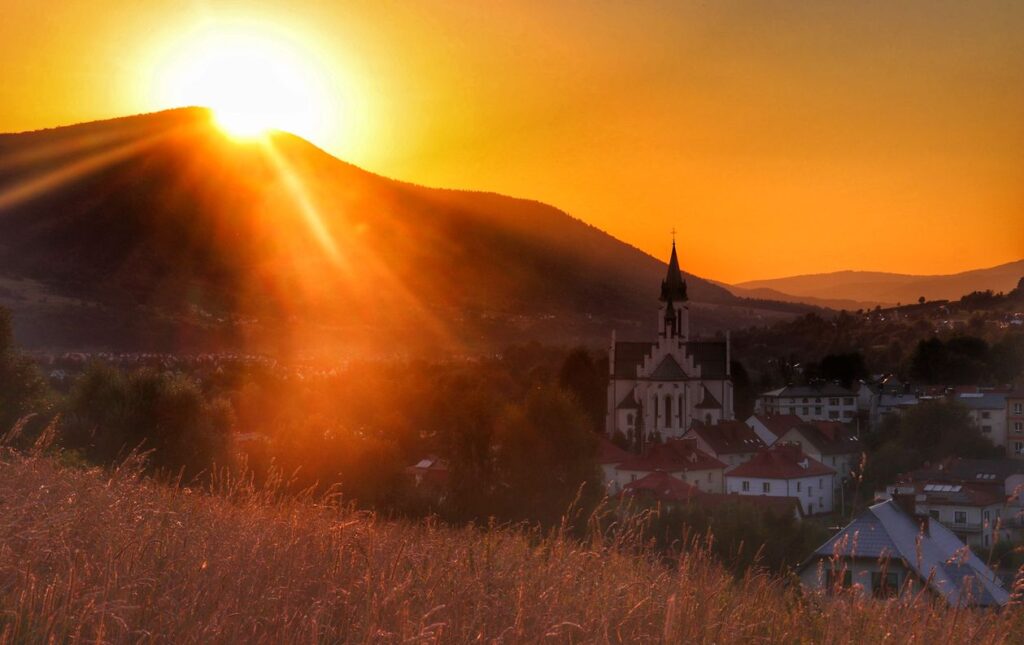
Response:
column 707, row 418
column 668, row 411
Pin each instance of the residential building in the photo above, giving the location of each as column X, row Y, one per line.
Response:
column 832, row 443
column 974, row 512
column 1015, row 424
column 784, row 470
column 731, row 442
column 662, row 488
column 676, row 457
column 988, row 411
column 769, row 427
column 657, row 389
column 889, row 550
column 822, row 402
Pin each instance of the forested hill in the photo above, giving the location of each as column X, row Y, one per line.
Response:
column 157, row 231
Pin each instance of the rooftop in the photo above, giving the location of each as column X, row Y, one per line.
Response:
column 781, row 461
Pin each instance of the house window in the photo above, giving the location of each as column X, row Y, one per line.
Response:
column 817, row 409
column 798, row 486
column 804, row 410
column 833, row 401
column 984, row 516
column 934, row 514
column 709, row 476
column 810, row 491
column 885, row 586
column 960, row 517
column 1018, row 447
column 1018, row 408
column 986, row 429
column 833, row 414
column 847, row 579
column 766, row 487
column 1018, row 426
column 745, row 486
column 848, row 401
column 986, row 415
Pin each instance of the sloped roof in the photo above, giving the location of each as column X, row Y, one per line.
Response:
column 987, row 401
column 709, row 355
column 728, row 437
column 668, row 370
column 628, row 357
column 628, row 402
column 830, row 437
column 781, row 461
column 827, row 389
column 778, row 424
column 675, row 455
column 936, row 556
column 609, row 453
column 955, row 469
column 708, row 402
column 662, row 487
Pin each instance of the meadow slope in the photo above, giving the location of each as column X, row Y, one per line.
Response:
column 88, row 555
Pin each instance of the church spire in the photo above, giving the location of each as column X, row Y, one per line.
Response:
column 673, row 287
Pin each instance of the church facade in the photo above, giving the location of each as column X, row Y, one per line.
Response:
column 657, row 389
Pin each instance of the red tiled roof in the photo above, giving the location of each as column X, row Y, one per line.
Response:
column 609, row 453
column 675, row 455
column 728, row 437
column 778, row 424
column 781, row 461
column 662, row 487
column 830, row 437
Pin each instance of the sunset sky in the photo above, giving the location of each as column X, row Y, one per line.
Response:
column 776, row 137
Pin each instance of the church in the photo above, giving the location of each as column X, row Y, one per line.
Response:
column 656, row 390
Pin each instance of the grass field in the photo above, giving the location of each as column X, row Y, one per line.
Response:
column 88, row 555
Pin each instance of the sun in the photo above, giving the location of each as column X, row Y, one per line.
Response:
column 253, row 80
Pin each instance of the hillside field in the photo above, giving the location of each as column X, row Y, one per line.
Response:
column 89, row 555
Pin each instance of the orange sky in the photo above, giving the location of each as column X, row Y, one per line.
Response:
column 777, row 137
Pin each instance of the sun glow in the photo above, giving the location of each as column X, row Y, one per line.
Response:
column 253, row 79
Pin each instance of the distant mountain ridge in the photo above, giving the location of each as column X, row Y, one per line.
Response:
column 869, row 288
column 158, row 232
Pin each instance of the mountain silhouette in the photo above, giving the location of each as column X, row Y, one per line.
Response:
column 159, row 232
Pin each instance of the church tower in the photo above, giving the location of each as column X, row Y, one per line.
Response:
column 674, row 313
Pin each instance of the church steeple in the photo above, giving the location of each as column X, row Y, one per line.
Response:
column 673, row 287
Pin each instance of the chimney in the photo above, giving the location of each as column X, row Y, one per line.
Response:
column 905, row 500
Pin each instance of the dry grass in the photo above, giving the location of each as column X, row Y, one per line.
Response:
column 99, row 557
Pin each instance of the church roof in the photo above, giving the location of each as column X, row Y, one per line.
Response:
column 709, row 402
column 668, row 370
column 709, row 355
column 673, row 287
column 628, row 402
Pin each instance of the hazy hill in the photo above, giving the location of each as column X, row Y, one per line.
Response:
column 157, row 231
column 868, row 288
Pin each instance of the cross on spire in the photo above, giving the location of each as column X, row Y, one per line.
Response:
column 673, row 235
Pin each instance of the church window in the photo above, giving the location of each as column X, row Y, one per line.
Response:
column 668, row 411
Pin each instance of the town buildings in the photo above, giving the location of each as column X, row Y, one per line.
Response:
column 656, row 389
column 731, row 442
column 822, row 402
column 769, row 427
column 832, row 443
column 676, row 457
column 889, row 550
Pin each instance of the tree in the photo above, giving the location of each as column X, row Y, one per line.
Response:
column 921, row 300
column 22, row 389
column 580, row 377
column 544, row 453
column 110, row 412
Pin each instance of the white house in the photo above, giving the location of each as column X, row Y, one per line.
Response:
column 656, row 389
column 977, row 514
column 888, row 550
column 609, row 456
column 826, row 402
column 1015, row 424
column 830, row 442
column 784, row 470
